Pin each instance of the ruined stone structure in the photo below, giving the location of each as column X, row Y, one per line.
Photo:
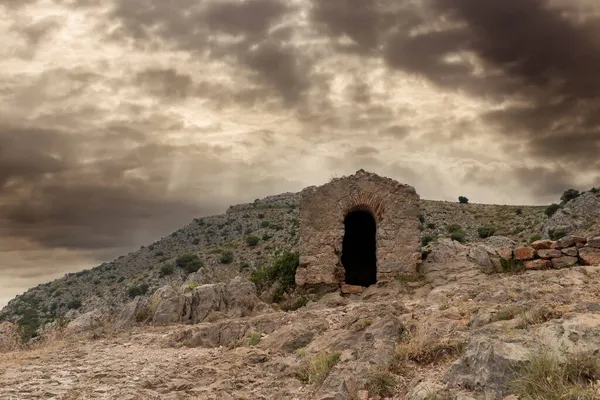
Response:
column 358, row 230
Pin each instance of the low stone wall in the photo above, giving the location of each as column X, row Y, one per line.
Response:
column 546, row 254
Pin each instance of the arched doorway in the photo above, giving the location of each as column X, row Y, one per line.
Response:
column 359, row 247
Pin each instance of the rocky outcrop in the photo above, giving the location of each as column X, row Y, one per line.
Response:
column 86, row 325
column 9, row 337
column 580, row 215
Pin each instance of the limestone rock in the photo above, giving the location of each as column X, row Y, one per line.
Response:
column 542, row 244
column 564, row 262
column 524, row 253
column 352, row 289
column 240, row 297
column 594, row 242
column 9, row 337
column 548, row 254
column 570, row 251
column 589, row 255
column 487, row 365
column 85, row 325
column 166, row 305
column 135, row 311
column 203, row 300
column 538, row 264
column 481, row 256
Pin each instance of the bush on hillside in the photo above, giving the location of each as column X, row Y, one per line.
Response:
column 226, row 257
column 551, row 209
column 569, row 195
column 425, row 240
column 137, row 290
column 166, row 269
column 486, row 231
column 463, row 200
column 74, row 304
column 189, row 262
column 283, row 271
column 252, row 240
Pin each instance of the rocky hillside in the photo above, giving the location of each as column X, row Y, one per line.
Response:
column 451, row 333
column 215, row 249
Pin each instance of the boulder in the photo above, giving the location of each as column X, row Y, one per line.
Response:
column 85, row 325
column 570, row 251
column 538, row 264
column 525, row 253
column 166, row 305
column 548, row 254
column 10, row 338
column 569, row 241
column 594, row 242
column 240, row 297
column 352, row 289
column 483, row 256
column 203, row 300
column 487, row 365
column 135, row 311
column 564, row 262
column 542, row 244
column 590, row 255
column 505, row 253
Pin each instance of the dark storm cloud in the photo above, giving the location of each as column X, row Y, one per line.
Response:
column 194, row 26
column 541, row 64
column 52, row 195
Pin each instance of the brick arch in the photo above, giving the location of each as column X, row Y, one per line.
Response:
column 361, row 201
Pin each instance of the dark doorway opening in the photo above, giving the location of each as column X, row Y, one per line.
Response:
column 359, row 256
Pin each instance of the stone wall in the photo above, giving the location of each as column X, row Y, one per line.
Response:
column 565, row 252
column 395, row 208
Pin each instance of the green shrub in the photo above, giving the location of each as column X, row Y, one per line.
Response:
column 266, row 237
column 519, row 211
column 425, row 240
column 166, row 269
column 459, row 236
column 226, row 257
column 454, row 228
column 74, row 304
column 189, row 262
column 421, row 218
column 512, row 266
column 556, row 234
column 283, row 270
column 137, row 290
column 595, row 190
column 29, row 322
column 486, row 231
column 431, row 225
column 569, row 195
column 252, row 240
column 551, row 209
column 265, row 224
column 535, row 238
column 463, row 200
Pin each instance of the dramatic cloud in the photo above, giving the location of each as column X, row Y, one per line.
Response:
column 121, row 121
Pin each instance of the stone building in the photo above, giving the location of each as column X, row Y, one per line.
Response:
column 358, row 230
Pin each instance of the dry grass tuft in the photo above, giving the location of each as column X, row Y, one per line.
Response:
column 546, row 377
column 315, row 369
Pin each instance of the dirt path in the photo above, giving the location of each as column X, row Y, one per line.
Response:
column 135, row 366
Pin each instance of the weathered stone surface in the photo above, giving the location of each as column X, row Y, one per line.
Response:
column 166, row 305
column 594, row 242
column 424, row 390
column 85, row 325
column 590, row 255
column 538, row 264
column 524, row 253
column 570, row 251
column 564, row 262
column 542, row 244
column 487, row 365
column 569, row 241
column 505, row 253
column 548, row 254
column 480, row 255
column 9, row 337
column 322, row 212
column 135, row 311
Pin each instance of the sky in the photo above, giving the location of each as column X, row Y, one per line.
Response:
column 122, row 120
